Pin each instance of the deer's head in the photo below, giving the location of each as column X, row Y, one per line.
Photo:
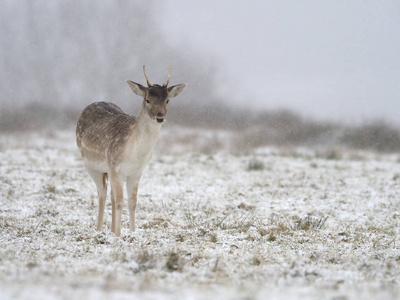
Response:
column 156, row 97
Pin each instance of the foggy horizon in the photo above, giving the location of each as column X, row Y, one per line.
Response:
column 323, row 60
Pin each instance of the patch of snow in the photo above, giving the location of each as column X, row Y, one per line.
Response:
column 296, row 225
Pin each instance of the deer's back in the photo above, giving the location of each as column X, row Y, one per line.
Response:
column 102, row 128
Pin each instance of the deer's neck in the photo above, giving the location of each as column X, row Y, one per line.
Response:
column 143, row 138
column 146, row 128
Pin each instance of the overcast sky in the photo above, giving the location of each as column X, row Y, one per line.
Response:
column 326, row 59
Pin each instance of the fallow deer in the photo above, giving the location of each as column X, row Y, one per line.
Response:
column 116, row 146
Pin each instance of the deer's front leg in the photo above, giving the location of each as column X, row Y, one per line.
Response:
column 117, row 202
column 132, row 185
column 113, row 211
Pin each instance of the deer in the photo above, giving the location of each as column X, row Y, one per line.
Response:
column 116, row 147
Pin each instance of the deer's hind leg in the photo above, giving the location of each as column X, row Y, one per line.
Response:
column 100, row 179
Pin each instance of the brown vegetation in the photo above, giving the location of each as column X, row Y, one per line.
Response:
column 250, row 130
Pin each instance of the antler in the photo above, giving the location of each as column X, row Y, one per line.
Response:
column 145, row 75
column 169, row 75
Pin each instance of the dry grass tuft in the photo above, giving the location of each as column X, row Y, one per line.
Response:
column 255, row 165
column 175, row 262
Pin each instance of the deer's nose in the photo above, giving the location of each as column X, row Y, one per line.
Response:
column 160, row 117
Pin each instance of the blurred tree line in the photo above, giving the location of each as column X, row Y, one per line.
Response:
column 56, row 57
column 66, row 54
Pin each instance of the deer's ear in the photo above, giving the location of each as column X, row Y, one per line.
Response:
column 175, row 90
column 137, row 88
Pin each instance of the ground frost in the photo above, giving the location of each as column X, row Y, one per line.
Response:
column 284, row 225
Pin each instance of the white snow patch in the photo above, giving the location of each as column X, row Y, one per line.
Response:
column 295, row 225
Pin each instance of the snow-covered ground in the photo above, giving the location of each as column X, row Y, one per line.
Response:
column 275, row 224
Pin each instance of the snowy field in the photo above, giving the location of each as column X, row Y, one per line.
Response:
column 273, row 224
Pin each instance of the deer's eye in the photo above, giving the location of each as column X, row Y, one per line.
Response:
column 167, row 101
column 148, row 101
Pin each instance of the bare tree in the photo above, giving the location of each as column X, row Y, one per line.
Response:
column 67, row 53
